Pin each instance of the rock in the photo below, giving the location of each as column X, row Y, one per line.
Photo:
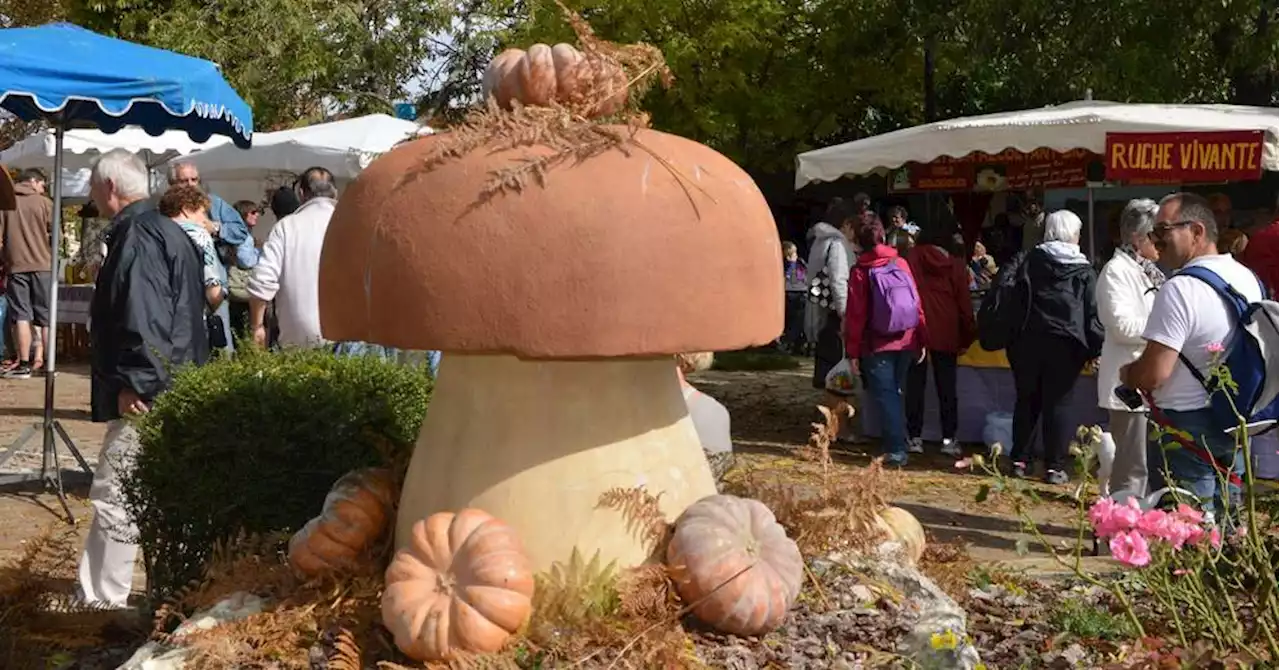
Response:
column 937, row 638
column 157, row 656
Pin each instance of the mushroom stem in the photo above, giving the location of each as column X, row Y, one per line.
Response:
column 535, row 443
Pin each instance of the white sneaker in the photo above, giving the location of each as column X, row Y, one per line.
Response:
column 915, row 446
column 950, row 448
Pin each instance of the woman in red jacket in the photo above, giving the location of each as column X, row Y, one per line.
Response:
column 939, row 267
column 884, row 332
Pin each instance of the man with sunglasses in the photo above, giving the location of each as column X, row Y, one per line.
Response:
column 1189, row 324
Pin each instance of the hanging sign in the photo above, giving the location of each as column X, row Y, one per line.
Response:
column 1190, row 157
column 935, row 176
column 1009, row 170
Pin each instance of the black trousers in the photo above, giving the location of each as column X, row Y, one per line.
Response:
column 828, row 351
column 793, row 329
column 1045, row 370
column 944, row 379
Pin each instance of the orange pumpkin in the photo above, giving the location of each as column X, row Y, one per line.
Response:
column 734, row 566
column 462, row 583
column 560, row 73
column 355, row 515
column 900, row 526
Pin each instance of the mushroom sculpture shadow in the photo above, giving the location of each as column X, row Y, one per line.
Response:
column 558, row 308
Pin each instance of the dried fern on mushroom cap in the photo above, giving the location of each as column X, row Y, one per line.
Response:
column 572, row 128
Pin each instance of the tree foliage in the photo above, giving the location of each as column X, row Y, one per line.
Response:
column 294, row 61
column 764, row 79
column 758, row 79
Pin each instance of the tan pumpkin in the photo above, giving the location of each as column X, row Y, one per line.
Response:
column 561, row 73
column 734, row 566
column 462, row 583
column 901, row 526
column 355, row 515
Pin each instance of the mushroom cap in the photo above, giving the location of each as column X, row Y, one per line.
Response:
column 610, row 256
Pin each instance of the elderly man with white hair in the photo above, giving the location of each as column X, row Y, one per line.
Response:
column 1061, row 333
column 148, row 318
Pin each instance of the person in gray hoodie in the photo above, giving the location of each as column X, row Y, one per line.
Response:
column 830, row 257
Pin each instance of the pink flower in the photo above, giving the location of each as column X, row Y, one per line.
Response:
column 1156, row 523
column 1214, row 347
column 1241, row 531
column 1181, row 571
column 1181, row 533
column 1188, row 513
column 1131, row 548
column 1215, row 538
column 1108, row 518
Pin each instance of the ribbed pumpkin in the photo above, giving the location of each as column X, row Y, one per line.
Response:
column 560, row 73
column 901, row 526
column 462, row 583
column 355, row 515
column 734, row 566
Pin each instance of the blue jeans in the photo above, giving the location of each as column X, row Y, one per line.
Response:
column 886, row 375
column 366, row 349
column 1191, row 472
column 4, row 323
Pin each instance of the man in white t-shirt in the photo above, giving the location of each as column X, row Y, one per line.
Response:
column 1189, row 318
column 288, row 272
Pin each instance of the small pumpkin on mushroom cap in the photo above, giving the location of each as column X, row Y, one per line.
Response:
column 545, row 74
column 461, row 584
column 356, row 513
column 734, row 566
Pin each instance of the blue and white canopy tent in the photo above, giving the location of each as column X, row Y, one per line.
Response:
column 75, row 78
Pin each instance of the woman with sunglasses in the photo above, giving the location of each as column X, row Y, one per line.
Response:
column 1126, row 290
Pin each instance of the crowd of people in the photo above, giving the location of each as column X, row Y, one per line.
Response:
column 179, row 276
column 887, row 303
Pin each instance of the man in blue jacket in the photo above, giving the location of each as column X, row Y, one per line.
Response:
column 232, row 230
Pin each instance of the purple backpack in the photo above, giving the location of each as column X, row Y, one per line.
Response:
column 894, row 303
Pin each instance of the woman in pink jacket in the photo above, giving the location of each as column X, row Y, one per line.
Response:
column 884, row 332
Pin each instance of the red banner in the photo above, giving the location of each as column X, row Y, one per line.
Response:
column 1010, row 170
column 933, row 177
column 1234, row 155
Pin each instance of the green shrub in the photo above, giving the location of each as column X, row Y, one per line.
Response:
column 253, row 444
column 754, row 360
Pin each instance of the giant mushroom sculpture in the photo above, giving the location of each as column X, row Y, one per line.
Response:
column 558, row 306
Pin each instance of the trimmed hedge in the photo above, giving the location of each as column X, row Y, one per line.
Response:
column 253, row 443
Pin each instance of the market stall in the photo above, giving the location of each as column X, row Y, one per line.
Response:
column 1087, row 146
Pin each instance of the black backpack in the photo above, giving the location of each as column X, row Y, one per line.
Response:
column 1005, row 307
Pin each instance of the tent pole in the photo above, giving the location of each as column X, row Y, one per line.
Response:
column 50, row 430
column 1092, row 231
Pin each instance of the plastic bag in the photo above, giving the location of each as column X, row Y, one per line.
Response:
column 841, row 380
column 998, row 429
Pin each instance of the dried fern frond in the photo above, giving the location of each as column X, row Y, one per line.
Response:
column 641, row 512
column 645, row 592
column 345, row 654
column 566, row 127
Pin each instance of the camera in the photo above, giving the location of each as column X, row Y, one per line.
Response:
column 1131, row 398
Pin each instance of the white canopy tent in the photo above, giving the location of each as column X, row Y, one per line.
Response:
column 1076, row 125
column 344, row 147
column 81, row 147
